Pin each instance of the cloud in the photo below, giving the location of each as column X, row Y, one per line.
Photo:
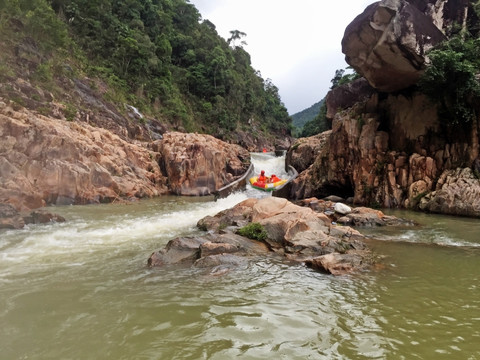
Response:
column 296, row 44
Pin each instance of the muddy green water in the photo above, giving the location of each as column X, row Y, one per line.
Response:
column 82, row 290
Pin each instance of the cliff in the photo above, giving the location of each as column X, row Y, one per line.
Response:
column 388, row 145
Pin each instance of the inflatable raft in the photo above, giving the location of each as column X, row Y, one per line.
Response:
column 266, row 186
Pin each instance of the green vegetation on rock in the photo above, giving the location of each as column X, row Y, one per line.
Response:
column 253, row 231
column 450, row 79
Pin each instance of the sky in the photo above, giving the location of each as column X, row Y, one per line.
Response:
column 296, row 44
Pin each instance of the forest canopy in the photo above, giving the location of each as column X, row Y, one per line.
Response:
column 157, row 55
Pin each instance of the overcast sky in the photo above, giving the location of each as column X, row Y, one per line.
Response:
column 296, row 44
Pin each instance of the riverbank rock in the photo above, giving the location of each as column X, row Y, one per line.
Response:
column 457, row 193
column 197, row 164
column 50, row 161
column 297, row 233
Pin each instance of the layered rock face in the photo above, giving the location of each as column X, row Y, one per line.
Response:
column 45, row 160
column 200, row 164
column 388, row 41
column 48, row 161
column 391, row 157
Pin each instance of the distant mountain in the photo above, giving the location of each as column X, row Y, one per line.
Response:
column 304, row 116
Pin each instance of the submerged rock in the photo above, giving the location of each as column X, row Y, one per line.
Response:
column 42, row 217
column 340, row 264
column 10, row 217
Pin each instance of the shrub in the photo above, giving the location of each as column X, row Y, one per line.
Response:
column 450, row 80
column 253, row 231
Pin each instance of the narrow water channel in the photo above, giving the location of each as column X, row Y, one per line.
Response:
column 82, row 290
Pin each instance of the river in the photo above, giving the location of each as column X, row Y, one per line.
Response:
column 82, row 290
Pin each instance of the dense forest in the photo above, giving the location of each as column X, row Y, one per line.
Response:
column 156, row 55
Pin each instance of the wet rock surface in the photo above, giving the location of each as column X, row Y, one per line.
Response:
column 296, row 233
column 10, row 218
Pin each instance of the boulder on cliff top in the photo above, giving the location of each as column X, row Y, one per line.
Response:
column 387, row 43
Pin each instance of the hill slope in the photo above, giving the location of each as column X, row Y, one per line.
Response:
column 156, row 55
column 301, row 118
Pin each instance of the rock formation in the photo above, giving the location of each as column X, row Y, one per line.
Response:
column 199, row 164
column 48, row 161
column 388, row 42
column 387, row 146
column 45, row 160
column 391, row 162
column 297, row 233
column 457, row 193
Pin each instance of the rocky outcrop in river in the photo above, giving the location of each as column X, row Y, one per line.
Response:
column 272, row 227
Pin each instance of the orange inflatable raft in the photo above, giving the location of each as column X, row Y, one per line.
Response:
column 271, row 184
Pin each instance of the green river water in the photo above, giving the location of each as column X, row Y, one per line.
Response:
column 82, row 290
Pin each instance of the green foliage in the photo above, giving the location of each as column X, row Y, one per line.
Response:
column 450, row 79
column 253, row 231
column 301, row 118
column 70, row 111
column 341, row 78
column 154, row 54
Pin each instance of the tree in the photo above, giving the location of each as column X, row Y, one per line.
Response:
column 236, row 35
column 450, row 79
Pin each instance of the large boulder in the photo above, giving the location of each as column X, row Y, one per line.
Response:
column 387, row 43
column 197, row 164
